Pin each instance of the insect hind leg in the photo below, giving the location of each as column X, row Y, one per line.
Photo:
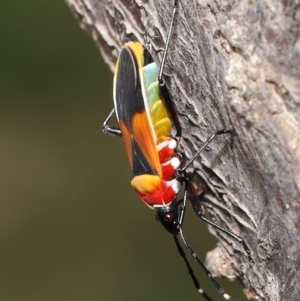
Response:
column 162, row 66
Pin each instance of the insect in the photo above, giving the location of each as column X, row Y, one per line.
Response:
column 150, row 128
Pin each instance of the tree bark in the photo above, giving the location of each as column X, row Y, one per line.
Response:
column 230, row 64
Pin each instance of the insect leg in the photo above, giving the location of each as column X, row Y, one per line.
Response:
column 180, row 250
column 187, row 191
column 108, row 129
column 161, row 70
column 210, row 138
column 196, row 204
column 161, row 82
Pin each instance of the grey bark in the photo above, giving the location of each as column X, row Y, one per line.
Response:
column 230, row 64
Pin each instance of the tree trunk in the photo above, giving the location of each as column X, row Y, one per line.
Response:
column 230, row 64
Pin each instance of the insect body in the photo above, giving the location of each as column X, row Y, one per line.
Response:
column 146, row 125
column 149, row 126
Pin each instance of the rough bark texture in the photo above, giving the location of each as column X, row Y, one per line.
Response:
column 230, row 64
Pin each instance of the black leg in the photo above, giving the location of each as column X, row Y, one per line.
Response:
column 211, row 137
column 180, row 250
column 162, row 85
column 192, row 253
column 108, row 129
column 196, row 204
column 162, row 66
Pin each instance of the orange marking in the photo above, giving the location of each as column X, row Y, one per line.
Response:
column 143, row 135
column 146, row 184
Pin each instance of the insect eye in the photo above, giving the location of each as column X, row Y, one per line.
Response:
column 169, row 217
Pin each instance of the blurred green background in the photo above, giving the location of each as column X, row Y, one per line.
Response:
column 71, row 226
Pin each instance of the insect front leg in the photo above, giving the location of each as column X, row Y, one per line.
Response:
column 195, row 200
column 188, row 189
column 108, row 129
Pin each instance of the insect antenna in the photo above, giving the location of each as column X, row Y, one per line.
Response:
column 207, row 272
column 220, row 289
column 190, row 270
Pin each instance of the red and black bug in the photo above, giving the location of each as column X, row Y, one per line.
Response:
column 149, row 126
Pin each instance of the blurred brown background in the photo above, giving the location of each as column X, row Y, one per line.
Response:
column 71, row 228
